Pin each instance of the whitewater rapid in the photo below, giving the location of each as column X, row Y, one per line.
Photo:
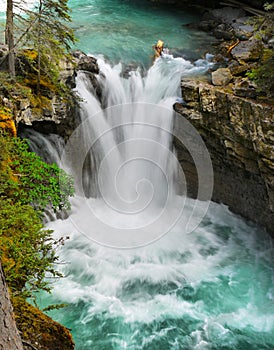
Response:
column 146, row 267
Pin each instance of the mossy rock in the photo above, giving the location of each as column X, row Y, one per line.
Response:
column 248, row 51
column 46, row 86
column 38, row 329
column 6, row 120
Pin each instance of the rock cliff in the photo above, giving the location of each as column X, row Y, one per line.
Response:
column 239, row 134
column 48, row 112
column 233, row 112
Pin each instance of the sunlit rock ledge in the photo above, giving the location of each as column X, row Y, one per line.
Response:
column 239, row 135
column 55, row 114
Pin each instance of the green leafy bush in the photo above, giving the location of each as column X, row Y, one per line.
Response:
column 27, row 251
column 262, row 75
column 25, row 178
column 27, row 186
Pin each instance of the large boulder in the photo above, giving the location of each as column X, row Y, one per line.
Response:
column 224, row 15
column 247, row 51
column 241, row 29
column 85, row 62
column 221, row 77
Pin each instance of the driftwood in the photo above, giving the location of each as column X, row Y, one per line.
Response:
column 232, row 46
column 235, row 3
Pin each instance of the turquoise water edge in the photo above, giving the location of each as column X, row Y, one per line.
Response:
column 211, row 289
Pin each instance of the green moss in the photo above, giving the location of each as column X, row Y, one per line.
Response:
column 30, row 55
column 32, row 81
column 6, row 120
column 262, row 75
column 39, row 329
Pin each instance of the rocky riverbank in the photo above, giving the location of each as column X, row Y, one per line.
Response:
column 235, row 116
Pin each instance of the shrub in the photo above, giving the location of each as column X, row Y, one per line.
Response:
column 27, row 186
column 25, row 178
column 27, row 251
column 262, row 75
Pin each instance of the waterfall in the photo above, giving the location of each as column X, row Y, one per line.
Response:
column 139, row 271
column 122, row 154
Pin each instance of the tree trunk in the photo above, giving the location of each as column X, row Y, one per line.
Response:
column 39, row 51
column 9, row 335
column 10, row 38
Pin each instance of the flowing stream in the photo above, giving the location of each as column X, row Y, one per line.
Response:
column 135, row 276
column 146, row 267
column 125, row 30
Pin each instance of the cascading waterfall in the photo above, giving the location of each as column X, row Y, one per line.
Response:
column 205, row 288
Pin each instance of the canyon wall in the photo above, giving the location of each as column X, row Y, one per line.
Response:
column 239, row 135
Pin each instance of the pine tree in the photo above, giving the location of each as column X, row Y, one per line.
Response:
column 50, row 36
column 45, row 29
column 9, row 38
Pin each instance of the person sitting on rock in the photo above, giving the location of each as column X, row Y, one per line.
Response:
column 158, row 48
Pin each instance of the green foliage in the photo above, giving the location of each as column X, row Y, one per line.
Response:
column 25, row 178
column 12, row 90
column 27, row 186
column 49, row 35
column 268, row 6
column 27, row 252
column 263, row 74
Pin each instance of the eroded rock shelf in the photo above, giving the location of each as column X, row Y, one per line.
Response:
column 239, row 134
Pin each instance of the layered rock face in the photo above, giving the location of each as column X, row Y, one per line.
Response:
column 49, row 113
column 239, row 135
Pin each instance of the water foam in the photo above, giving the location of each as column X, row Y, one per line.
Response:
column 201, row 289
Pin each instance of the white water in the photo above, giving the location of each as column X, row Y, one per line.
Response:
column 123, row 155
column 203, row 288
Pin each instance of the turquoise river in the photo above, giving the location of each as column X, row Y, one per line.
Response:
column 131, row 280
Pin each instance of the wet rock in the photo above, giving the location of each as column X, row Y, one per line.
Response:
column 238, row 69
column 223, row 31
column 96, row 86
column 224, row 15
column 207, row 26
column 242, row 30
column 85, row 62
column 67, row 73
column 245, row 88
column 221, row 77
column 246, row 51
column 238, row 133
